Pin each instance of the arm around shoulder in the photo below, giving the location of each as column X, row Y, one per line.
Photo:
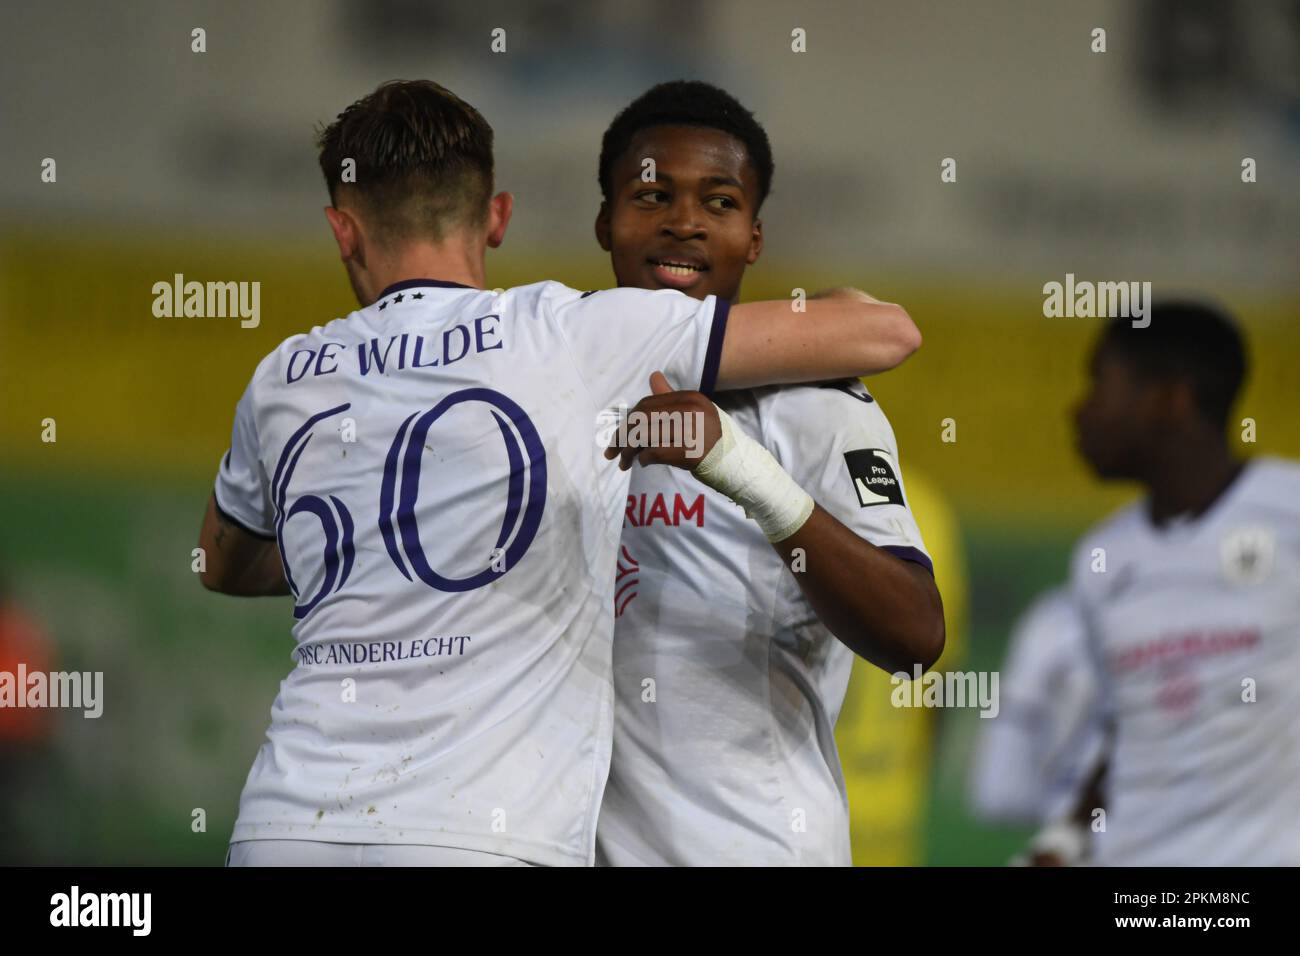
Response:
column 843, row 333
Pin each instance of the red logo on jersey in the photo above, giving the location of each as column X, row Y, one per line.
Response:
column 637, row 516
column 1172, row 649
column 1173, row 655
column 1178, row 693
column 643, row 511
column 625, row 582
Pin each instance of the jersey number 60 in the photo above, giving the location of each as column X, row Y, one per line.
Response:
column 400, row 491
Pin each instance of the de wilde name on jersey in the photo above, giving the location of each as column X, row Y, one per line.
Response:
column 456, row 342
column 636, row 515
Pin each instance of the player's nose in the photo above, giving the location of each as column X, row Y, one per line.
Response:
column 684, row 231
column 684, row 221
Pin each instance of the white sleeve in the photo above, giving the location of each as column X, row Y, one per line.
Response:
column 1033, row 757
column 835, row 441
column 243, row 489
column 1086, row 592
column 618, row 337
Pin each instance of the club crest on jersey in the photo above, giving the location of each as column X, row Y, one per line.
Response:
column 1247, row 555
column 875, row 477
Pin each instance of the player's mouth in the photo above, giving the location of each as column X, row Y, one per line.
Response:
column 677, row 272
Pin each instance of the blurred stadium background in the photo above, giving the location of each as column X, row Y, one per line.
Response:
column 1117, row 166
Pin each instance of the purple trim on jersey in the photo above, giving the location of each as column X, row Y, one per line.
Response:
column 417, row 283
column 846, row 386
column 713, row 354
column 914, row 555
column 231, row 519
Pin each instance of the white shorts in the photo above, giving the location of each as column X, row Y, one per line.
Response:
column 315, row 853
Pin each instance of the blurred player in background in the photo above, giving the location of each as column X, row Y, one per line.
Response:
column 728, row 673
column 1191, row 599
column 450, row 546
column 1035, row 757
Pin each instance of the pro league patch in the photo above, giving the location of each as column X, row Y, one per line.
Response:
column 875, row 477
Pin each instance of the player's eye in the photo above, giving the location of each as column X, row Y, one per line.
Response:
column 652, row 196
column 720, row 202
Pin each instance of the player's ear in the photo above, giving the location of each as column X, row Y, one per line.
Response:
column 602, row 226
column 755, row 242
column 500, row 207
column 345, row 230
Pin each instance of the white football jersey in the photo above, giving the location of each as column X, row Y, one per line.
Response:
column 1195, row 629
column 1035, row 755
column 727, row 685
column 431, row 469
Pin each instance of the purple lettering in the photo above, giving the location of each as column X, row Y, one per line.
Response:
column 446, row 344
column 480, row 332
column 415, row 359
column 291, row 378
column 324, row 354
column 376, row 360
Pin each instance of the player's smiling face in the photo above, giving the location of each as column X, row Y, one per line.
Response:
column 694, row 226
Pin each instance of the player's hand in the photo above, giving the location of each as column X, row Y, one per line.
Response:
column 666, row 428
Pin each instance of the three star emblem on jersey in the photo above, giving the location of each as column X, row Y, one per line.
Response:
column 875, row 477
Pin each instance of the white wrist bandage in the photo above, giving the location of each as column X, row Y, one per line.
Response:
column 746, row 472
column 1064, row 839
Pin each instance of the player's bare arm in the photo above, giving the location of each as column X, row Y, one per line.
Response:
column 237, row 562
column 883, row 608
column 844, row 334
